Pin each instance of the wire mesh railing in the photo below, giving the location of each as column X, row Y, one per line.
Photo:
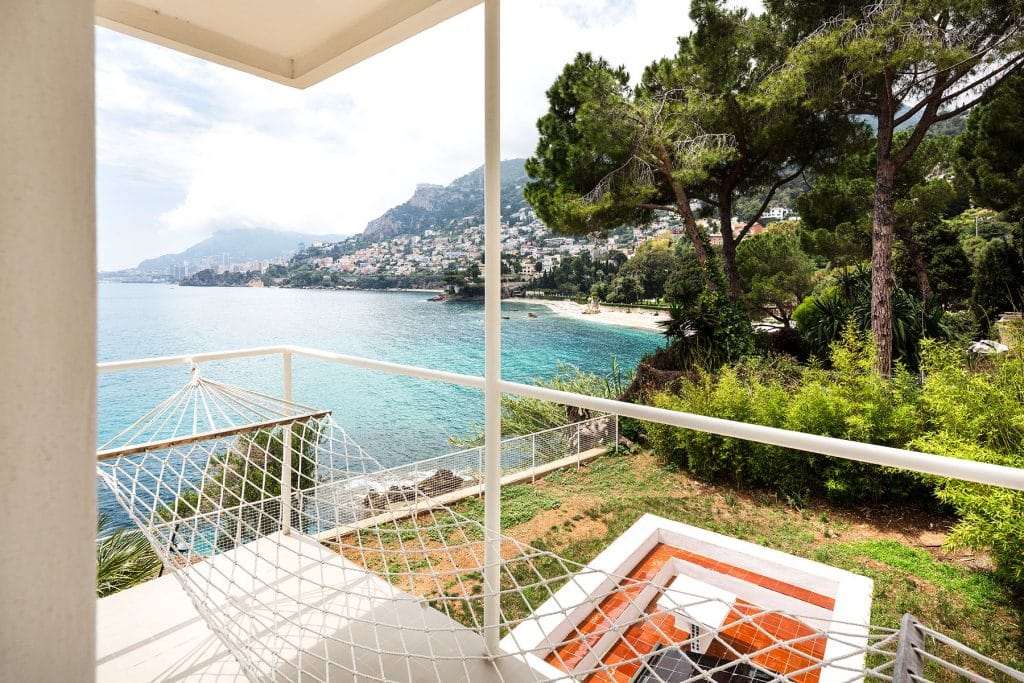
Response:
column 523, row 454
column 213, row 495
column 337, row 503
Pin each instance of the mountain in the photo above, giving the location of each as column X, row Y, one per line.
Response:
column 235, row 245
column 436, row 207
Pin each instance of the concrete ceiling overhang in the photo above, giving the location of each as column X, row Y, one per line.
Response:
column 294, row 42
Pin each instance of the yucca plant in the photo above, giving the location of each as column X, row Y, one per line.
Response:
column 823, row 317
column 123, row 559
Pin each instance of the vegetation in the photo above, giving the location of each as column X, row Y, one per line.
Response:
column 694, row 129
column 904, row 62
column 960, row 411
column 246, row 478
column 523, row 415
column 578, row 513
column 750, row 104
column 778, row 275
column 581, row 275
column 991, row 150
column 845, row 299
column 123, row 559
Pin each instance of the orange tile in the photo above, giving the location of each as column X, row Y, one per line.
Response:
column 761, row 633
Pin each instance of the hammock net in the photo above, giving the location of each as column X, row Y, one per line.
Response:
column 311, row 561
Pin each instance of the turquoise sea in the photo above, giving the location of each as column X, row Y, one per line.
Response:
column 395, row 419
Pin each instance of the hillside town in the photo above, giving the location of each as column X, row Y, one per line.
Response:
column 530, row 249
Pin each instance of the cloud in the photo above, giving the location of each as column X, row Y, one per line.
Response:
column 233, row 149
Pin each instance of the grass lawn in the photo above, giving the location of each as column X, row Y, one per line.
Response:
column 578, row 513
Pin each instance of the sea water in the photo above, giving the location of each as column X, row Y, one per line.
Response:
column 395, row 419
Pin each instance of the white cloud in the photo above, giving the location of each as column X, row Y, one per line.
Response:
column 241, row 150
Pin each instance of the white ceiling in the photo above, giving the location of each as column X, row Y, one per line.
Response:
column 295, row 42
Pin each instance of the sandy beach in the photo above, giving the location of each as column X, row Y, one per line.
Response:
column 624, row 316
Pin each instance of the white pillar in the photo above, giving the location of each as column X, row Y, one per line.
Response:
column 286, row 449
column 492, row 322
column 47, row 341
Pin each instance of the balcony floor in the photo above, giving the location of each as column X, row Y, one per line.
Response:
column 153, row 633
column 324, row 609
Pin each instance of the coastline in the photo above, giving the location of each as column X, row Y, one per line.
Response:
column 622, row 316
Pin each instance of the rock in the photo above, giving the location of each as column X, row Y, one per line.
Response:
column 396, row 494
column 650, row 380
column 375, row 501
column 440, row 482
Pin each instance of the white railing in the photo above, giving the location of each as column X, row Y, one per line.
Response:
column 967, row 470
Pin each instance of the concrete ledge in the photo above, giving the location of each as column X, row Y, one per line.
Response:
column 425, row 504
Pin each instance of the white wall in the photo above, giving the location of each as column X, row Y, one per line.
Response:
column 47, row 341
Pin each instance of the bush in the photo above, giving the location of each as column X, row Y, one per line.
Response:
column 707, row 331
column 957, row 411
column 848, row 401
column 979, row 415
column 783, row 340
column 124, row 559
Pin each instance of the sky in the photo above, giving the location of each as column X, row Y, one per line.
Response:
column 186, row 147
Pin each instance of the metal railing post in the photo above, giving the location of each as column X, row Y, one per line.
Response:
column 286, row 450
column 533, row 458
column 615, row 443
column 579, row 446
column 909, row 662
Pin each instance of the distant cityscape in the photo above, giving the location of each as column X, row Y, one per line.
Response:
column 529, row 249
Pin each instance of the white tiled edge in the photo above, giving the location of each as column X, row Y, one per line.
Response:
column 552, row 621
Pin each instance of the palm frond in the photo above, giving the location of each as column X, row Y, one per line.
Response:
column 123, row 559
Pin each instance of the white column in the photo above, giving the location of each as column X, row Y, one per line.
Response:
column 492, row 322
column 286, row 449
column 47, row 341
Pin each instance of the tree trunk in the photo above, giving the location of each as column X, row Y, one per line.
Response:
column 882, row 280
column 924, row 284
column 689, row 222
column 732, row 276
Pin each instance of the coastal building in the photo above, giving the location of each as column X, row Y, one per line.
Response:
column 266, row 599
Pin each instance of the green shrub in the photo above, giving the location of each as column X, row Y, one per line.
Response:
column 990, row 518
column 957, row 411
column 707, row 331
column 979, row 415
column 846, row 401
